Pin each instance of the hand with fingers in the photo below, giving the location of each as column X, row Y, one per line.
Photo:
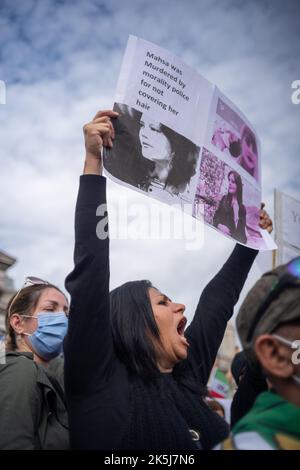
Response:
column 265, row 221
column 98, row 133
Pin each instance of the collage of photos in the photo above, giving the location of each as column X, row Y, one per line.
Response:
column 151, row 157
column 232, row 136
column 227, row 202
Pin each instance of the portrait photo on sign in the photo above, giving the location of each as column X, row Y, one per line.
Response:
column 227, row 201
column 150, row 156
column 234, row 137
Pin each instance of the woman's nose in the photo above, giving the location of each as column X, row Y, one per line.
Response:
column 179, row 308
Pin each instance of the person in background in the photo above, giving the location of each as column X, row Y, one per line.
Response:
column 250, row 383
column 268, row 324
column 33, row 411
column 216, row 407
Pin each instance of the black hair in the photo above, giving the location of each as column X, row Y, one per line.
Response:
column 134, row 327
column 235, row 148
column 124, row 161
column 184, row 161
column 239, row 187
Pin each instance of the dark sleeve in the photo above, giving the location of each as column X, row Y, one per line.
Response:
column 214, row 309
column 20, row 405
column 241, row 230
column 251, row 385
column 88, row 346
column 219, row 214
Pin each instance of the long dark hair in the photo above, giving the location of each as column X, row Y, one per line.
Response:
column 184, row 161
column 133, row 327
column 239, row 187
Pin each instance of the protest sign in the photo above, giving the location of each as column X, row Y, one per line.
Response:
column 287, row 223
column 179, row 140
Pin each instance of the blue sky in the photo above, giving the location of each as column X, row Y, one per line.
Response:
column 60, row 61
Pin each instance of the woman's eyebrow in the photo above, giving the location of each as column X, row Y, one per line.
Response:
column 164, row 296
column 56, row 304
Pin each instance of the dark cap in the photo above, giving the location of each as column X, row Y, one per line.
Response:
column 285, row 308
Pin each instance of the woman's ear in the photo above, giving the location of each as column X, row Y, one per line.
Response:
column 274, row 357
column 17, row 323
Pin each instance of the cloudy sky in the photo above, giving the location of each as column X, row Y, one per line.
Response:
column 60, row 61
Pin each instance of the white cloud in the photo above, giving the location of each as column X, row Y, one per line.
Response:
column 60, row 64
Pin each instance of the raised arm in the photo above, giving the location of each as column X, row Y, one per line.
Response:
column 215, row 308
column 88, row 345
column 216, row 304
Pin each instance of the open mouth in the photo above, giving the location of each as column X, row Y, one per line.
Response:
column 181, row 326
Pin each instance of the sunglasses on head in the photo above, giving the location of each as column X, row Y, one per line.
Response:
column 29, row 281
column 290, row 277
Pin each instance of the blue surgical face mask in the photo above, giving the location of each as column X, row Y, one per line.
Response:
column 47, row 339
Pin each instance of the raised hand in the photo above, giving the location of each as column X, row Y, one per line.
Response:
column 98, row 133
column 265, row 221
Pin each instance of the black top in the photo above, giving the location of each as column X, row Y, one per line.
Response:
column 224, row 215
column 250, row 386
column 108, row 409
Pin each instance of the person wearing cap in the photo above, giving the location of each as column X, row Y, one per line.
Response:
column 268, row 324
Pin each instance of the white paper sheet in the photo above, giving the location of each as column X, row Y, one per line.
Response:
column 181, row 141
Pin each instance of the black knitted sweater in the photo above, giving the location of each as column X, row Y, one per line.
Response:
column 108, row 408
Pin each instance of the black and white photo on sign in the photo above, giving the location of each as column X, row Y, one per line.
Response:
column 150, row 156
column 227, row 201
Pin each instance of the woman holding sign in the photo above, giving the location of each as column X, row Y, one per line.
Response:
column 134, row 378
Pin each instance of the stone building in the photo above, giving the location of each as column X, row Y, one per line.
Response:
column 6, row 287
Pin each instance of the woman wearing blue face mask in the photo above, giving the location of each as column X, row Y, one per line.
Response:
column 33, row 413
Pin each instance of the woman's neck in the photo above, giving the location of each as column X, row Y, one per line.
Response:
column 24, row 348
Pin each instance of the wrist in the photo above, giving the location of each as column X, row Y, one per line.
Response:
column 92, row 165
